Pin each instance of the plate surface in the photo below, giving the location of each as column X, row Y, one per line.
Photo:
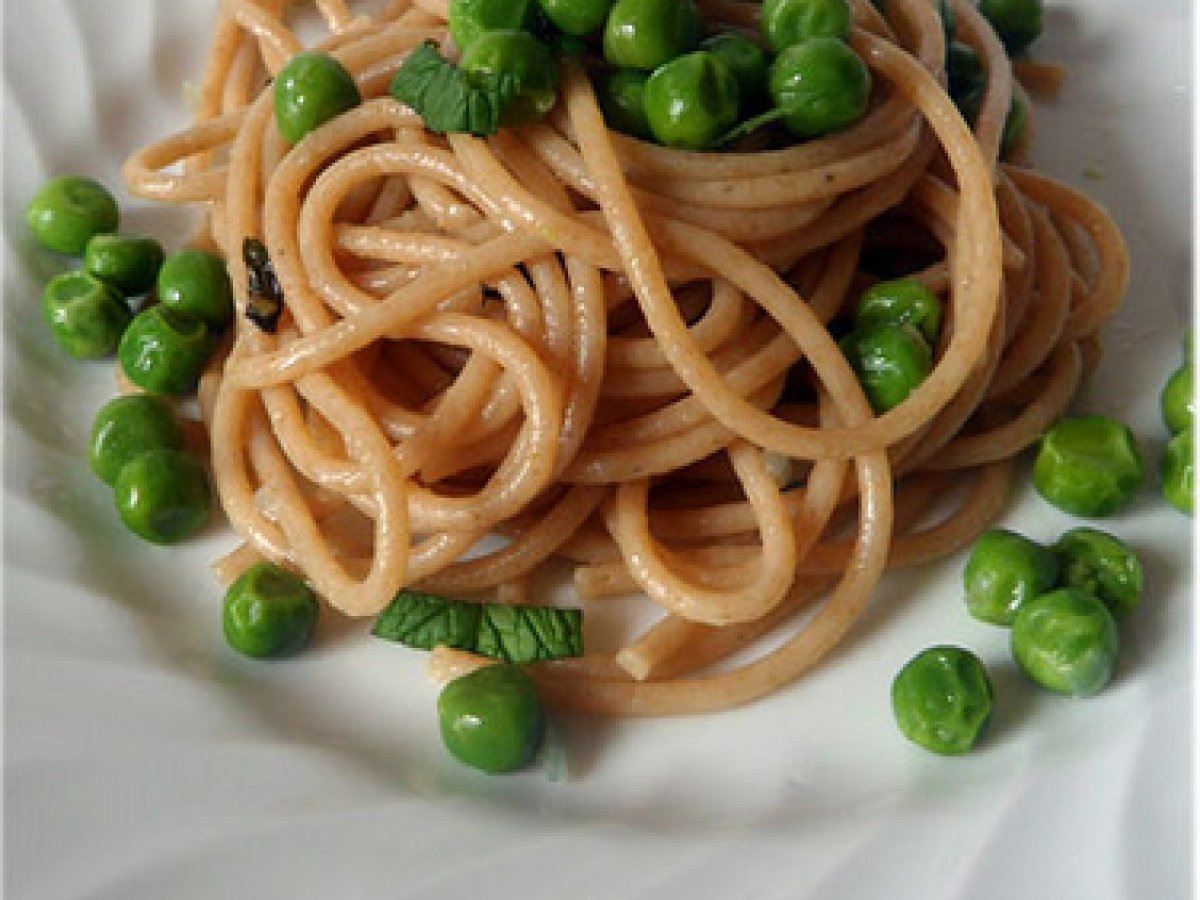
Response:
column 143, row 761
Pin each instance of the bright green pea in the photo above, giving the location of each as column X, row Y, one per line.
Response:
column 821, row 86
column 163, row 495
column 197, row 283
column 468, row 19
column 164, row 351
column 1178, row 400
column 786, row 23
column 577, row 17
column 898, row 301
column 68, row 211
column 644, row 34
column 520, row 54
column 1017, row 22
column 311, row 89
column 1088, row 466
column 967, row 79
column 1102, row 565
column 129, row 262
column 748, row 63
column 1014, row 125
column 491, row 719
column 85, row 315
column 269, row 612
column 691, row 101
column 127, row 427
column 1004, row 571
column 942, row 700
column 620, row 95
column 1066, row 641
column 891, row 361
column 1179, row 472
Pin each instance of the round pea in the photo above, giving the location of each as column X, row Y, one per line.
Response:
column 786, row 23
column 127, row 427
column 311, row 89
column 164, row 351
column 468, row 19
column 197, row 283
column 491, row 719
column 1016, row 22
column 163, row 495
column 1102, row 565
column 1066, row 641
column 820, row 86
column 620, row 95
column 1178, row 400
column 1179, row 472
column 967, row 79
column 129, row 262
column 644, row 34
column 1004, row 571
column 577, row 17
column 691, row 101
column 68, row 211
column 85, row 315
column 891, row 361
column 901, row 300
column 1014, row 125
column 1088, row 466
column 520, row 54
column 746, row 60
column 942, row 699
column 269, row 612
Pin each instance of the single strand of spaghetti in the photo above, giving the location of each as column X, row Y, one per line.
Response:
column 278, row 43
column 243, row 73
column 587, row 359
column 144, row 177
column 726, row 312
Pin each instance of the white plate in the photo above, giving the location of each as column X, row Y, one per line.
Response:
column 144, row 761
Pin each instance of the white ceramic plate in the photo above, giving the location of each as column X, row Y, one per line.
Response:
column 142, row 760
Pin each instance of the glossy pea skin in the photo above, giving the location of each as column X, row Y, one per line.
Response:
column 1178, row 400
column 127, row 427
column 1102, row 565
column 967, row 79
column 129, row 262
column 164, row 351
column 491, row 719
column 644, row 34
column 942, row 699
column 197, row 283
column 1004, row 571
column 1088, row 466
column 691, row 101
column 820, row 86
column 468, row 19
column 68, row 211
column 1015, row 123
column 746, row 60
column 1016, row 22
column 899, row 301
column 1178, row 472
column 1066, row 641
column 163, row 496
column 621, row 95
column 311, row 89
column 786, row 23
column 577, row 17
column 520, row 54
column 269, row 612
column 891, row 361
column 86, row 316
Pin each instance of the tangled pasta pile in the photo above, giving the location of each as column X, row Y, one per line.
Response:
column 619, row 355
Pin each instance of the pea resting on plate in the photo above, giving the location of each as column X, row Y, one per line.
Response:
column 164, row 351
column 269, row 612
column 1066, row 641
column 197, row 283
column 1088, row 466
column 128, row 262
column 1102, row 565
column 68, row 211
column 127, row 427
column 86, row 317
column 492, row 719
column 163, row 496
column 1179, row 472
column 1004, row 571
column 942, row 699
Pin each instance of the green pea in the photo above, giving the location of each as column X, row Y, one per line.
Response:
column 129, row 262
column 163, row 496
column 746, row 60
column 269, row 612
column 1178, row 400
column 1017, row 22
column 68, row 211
column 1088, row 466
column 1102, row 565
column 520, row 54
column 967, row 79
column 891, row 361
column 644, row 34
column 901, row 300
column 1014, row 125
column 468, row 19
column 127, row 427
column 942, row 699
column 164, row 351
column 820, row 86
column 949, row 21
column 85, row 315
column 491, row 719
column 786, row 23
column 1004, row 571
column 691, row 101
column 577, row 17
column 620, row 95
column 1179, row 472
column 311, row 89
column 1066, row 641
column 197, row 283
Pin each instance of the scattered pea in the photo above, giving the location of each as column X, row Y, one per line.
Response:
column 269, row 612
column 197, row 283
column 164, row 351
column 85, row 315
column 1088, row 466
column 1179, row 472
column 311, row 89
column 942, row 699
column 163, row 496
column 1004, row 571
column 1102, row 565
column 68, row 211
column 128, row 426
column 1066, row 641
column 129, row 262
column 491, row 719
column 1178, row 400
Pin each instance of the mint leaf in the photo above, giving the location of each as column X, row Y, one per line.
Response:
column 426, row 621
column 519, row 634
column 449, row 99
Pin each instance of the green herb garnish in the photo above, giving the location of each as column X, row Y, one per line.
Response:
column 450, row 99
